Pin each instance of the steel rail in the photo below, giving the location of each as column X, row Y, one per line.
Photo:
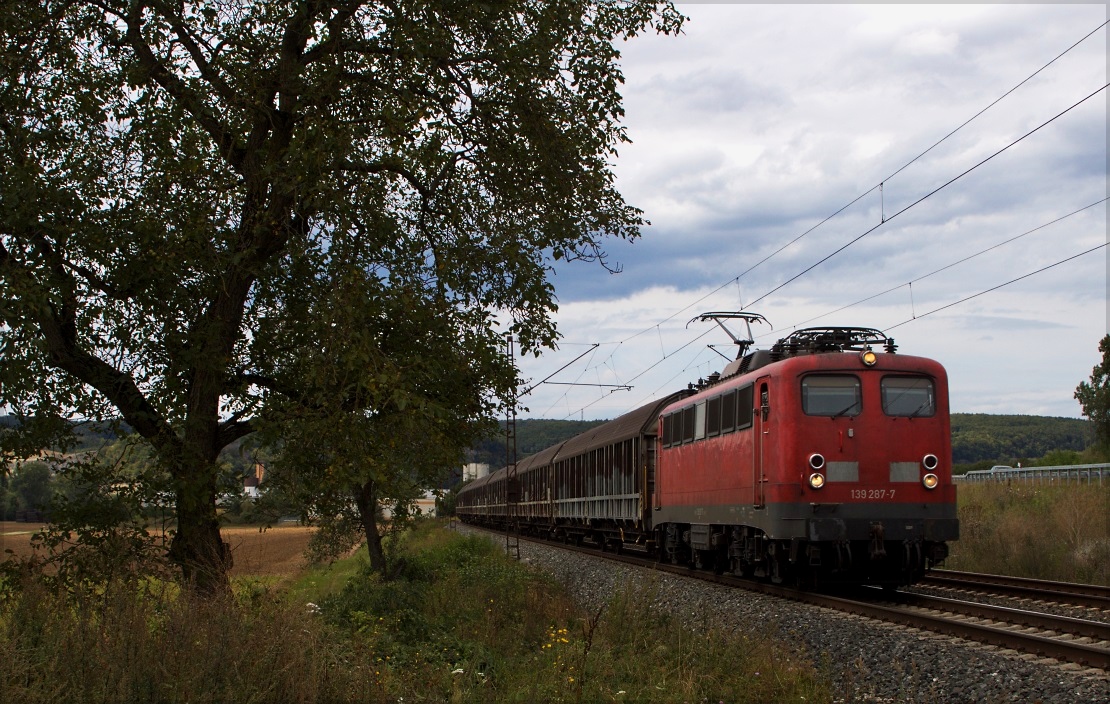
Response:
column 1081, row 628
column 1086, row 595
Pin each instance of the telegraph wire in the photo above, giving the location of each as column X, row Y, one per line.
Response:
column 884, row 219
column 869, row 191
column 999, row 99
column 924, row 197
column 949, row 266
column 995, row 288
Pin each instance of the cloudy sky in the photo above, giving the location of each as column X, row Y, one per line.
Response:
column 760, row 122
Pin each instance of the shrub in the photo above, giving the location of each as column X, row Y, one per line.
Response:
column 1040, row 531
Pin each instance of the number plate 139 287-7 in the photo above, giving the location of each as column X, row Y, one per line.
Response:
column 872, row 494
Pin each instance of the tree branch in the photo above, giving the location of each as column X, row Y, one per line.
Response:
column 214, row 79
column 387, row 167
column 59, row 334
column 193, row 104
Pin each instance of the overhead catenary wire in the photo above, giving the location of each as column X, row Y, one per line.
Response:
column 925, row 197
column 949, row 265
column 965, row 123
column 658, row 326
column 995, row 288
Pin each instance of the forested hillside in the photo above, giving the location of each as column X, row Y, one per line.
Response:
column 532, row 435
column 978, row 437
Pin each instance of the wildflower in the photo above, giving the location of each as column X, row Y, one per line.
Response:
column 457, row 671
column 312, row 608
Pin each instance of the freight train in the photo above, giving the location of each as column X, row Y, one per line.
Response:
column 823, row 459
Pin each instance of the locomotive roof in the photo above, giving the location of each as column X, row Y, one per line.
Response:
column 822, row 340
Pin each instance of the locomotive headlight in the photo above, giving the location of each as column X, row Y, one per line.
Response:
column 930, row 462
column 816, row 460
column 930, row 481
column 868, row 357
column 817, row 480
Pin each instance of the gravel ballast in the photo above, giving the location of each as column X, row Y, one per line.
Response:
column 868, row 661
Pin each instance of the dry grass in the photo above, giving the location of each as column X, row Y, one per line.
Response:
column 461, row 623
column 1040, row 531
column 271, row 552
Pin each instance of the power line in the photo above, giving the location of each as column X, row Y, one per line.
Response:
column 868, row 191
column 928, row 195
column 737, row 278
column 952, row 264
column 997, row 100
column 995, row 288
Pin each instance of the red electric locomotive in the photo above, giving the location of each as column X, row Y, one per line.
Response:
column 826, row 458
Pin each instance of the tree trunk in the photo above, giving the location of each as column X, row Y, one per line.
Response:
column 367, row 502
column 197, row 547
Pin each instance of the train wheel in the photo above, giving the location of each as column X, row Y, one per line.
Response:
column 805, row 578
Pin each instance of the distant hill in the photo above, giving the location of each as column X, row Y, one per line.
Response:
column 978, row 437
column 532, row 435
column 86, row 435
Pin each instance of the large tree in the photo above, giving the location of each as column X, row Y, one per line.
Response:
column 1094, row 397
column 182, row 185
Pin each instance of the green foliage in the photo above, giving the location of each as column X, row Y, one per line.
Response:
column 212, row 214
column 464, row 623
column 103, row 524
column 1006, row 439
column 32, row 486
column 1094, row 397
column 128, row 644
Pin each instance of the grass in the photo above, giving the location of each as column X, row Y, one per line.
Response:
column 1041, row 531
column 466, row 624
column 460, row 623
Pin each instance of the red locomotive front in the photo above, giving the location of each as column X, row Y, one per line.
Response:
column 821, row 459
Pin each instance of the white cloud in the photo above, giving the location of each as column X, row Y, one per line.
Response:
column 930, row 43
column 762, row 120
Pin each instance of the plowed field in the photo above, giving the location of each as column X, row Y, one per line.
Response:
column 276, row 551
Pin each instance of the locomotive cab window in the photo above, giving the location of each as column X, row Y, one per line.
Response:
column 831, row 395
column 908, row 396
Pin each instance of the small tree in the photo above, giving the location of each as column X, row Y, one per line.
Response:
column 352, row 449
column 1094, row 398
column 33, row 485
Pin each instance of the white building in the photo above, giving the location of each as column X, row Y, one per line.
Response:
column 475, row 470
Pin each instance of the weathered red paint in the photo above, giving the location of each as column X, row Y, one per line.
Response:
column 727, row 470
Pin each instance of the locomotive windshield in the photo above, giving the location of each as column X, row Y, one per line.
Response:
column 908, row 396
column 829, row 395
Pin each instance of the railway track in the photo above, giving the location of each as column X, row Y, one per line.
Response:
column 1086, row 596
column 1060, row 638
